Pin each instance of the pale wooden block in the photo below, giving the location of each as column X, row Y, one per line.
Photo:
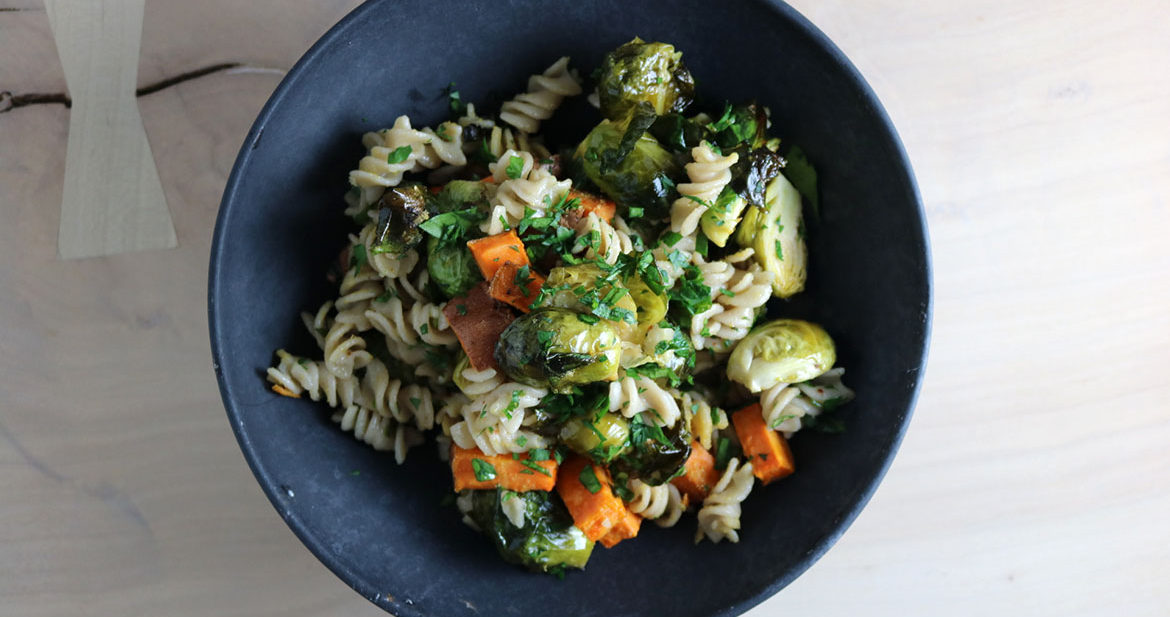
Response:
column 112, row 201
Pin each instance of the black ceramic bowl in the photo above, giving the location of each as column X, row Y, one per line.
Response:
column 383, row 531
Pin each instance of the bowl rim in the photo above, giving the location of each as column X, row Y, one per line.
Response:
column 356, row 579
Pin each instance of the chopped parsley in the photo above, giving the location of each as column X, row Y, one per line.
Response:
column 484, row 471
column 523, row 278
column 452, row 227
column 588, row 479
column 722, row 453
column 358, row 257
column 399, row 155
column 515, row 167
column 458, row 107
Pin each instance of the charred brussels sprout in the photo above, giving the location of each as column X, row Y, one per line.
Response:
column 451, row 266
column 781, row 351
column 547, row 537
column 644, row 72
column 776, row 233
column 601, row 437
column 633, row 177
column 741, row 124
column 678, row 133
column 400, row 211
column 656, row 453
column 460, row 195
column 556, row 348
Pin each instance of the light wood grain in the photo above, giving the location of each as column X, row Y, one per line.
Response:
column 1033, row 480
column 113, row 200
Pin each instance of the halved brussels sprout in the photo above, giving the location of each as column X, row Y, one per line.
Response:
column 644, row 72
column 452, row 267
column 781, row 351
column 557, row 348
column 656, row 454
column 400, row 211
column 634, row 179
column 548, row 537
column 651, row 306
column 776, row 234
column 601, row 438
column 577, row 288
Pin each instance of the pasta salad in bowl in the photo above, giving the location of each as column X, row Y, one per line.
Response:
column 582, row 329
column 592, row 318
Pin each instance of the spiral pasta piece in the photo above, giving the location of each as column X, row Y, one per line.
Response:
column 709, row 174
column 404, row 402
column 493, row 422
column 427, row 150
column 545, row 93
column 479, row 383
column 719, row 518
column 598, row 239
column 497, row 140
column 672, row 259
column 701, row 417
column 534, row 189
column 634, row 395
column 345, row 349
column 380, row 432
column 303, row 376
column 318, row 323
column 663, row 504
column 785, row 406
column 737, row 294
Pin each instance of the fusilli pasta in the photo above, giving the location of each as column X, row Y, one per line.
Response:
column 631, row 396
column 545, row 93
column 709, row 173
column 720, row 514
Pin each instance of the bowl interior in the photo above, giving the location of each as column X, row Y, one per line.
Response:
column 384, row 530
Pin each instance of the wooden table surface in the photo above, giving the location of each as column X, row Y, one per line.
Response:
column 1033, row 481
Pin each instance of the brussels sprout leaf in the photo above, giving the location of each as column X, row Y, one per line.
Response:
column 801, row 173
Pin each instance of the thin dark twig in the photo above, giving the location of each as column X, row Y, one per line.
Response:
column 10, row 101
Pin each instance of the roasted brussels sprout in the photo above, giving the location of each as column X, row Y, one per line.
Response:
column 721, row 219
column 557, row 348
column 581, row 288
column 678, row 133
column 633, row 178
column 546, row 540
column 781, row 351
column 776, row 234
column 600, row 437
column 750, row 177
column 651, row 306
column 741, row 125
column 400, row 211
column 656, row 453
column 460, row 195
column 451, row 266
column 644, row 72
